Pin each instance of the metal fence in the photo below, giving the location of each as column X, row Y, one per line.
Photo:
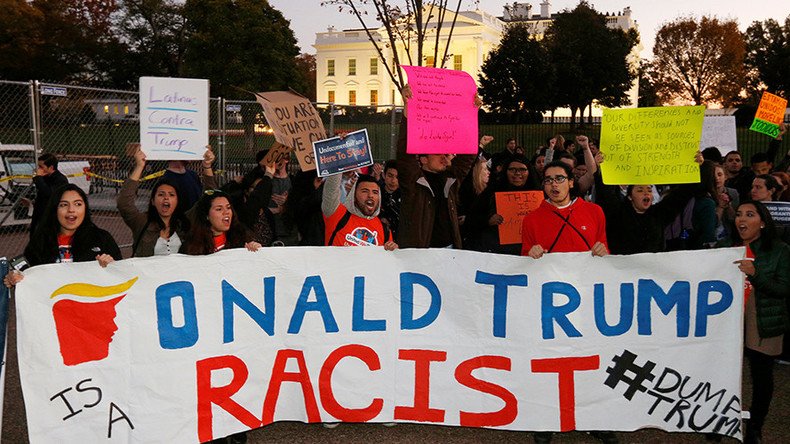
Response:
column 89, row 129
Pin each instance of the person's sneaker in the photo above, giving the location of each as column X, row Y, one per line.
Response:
column 782, row 362
column 330, row 425
column 542, row 437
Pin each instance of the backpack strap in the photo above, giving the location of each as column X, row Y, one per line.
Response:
column 340, row 224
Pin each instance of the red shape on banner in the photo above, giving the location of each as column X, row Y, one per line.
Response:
column 208, row 395
column 328, row 400
column 85, row 329
column 279, row 375
column 463, row 374
column 565, row 367
column 421, row 410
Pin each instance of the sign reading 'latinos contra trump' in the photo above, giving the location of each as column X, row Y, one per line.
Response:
column 181, row 349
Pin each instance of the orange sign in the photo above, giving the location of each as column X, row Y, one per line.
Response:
column 771, row 109
column 513, row 206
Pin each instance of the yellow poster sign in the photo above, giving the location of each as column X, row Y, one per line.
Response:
column 646, row 146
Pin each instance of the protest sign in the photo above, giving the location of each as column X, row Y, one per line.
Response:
column 295, row 123
column 173, row 118
column 780, row 212
column 770, row 114
column 186, row 348
column 719, row 131
column 277, row 152
column 513, row 206
column 336, row 155
column 442, row 114
column 645, row 146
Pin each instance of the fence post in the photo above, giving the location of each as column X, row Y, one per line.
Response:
column 393, row 133
column 331, row 119
column 221, row 133
column 35, row 118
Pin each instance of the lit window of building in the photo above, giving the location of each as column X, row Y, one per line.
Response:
column 429, row 61
column 352, row 67
column 374, row 67
column 352, row 97
column 458, row 62
column 330, row 67
column 330, row 96
column 374, row 97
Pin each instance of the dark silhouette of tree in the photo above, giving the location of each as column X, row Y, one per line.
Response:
column 699, row 61
column 768, row 56
column 518, row 77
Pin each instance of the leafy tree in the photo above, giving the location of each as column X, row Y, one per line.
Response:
column 591, row 61
column 153, row 35
column 768, row 55
column 518, row 77
column 241, row 46
column 647, row 91
column 699, row 61
column 305, row 63
column 409, row 30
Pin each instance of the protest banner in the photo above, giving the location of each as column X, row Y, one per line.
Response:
column 173, row 118
column 719, row 131
column 651, row 146
column 184, row 348
column 780, row 212
column 442, row 114
column 770, row 114
column 276, row 153
column 513, row 206
column 337, row 155
column 295, row 122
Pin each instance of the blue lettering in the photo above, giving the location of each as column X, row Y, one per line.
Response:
column 321, row 305
column 551, row 313
column 626, row 310
column 679, row 295
column 358, row 321
column 407, row 282
column 170, row 336
column 232, row 297
column 500, row 282
column 705, row 308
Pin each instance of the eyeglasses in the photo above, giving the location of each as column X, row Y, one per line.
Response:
column 548, row 180
column 517, row 170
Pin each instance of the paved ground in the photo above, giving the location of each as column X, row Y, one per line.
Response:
column 15, row 430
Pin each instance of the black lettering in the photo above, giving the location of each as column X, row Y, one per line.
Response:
column 80, row 388
column 62, row 396
column 114, row 420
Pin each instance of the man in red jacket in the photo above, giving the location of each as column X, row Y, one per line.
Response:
column 563, row 223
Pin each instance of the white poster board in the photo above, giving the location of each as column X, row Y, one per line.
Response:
column 719, row 131
column 173, row 118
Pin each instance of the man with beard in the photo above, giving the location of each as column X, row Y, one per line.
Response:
column 354, row 221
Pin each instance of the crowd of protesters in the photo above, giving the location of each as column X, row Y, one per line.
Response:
column 448, row 201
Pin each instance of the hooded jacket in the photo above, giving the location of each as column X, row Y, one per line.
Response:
column 345, row 224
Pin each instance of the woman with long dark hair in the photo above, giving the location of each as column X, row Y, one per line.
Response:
column 215, row 227
column 767, row 270
column 67, row 234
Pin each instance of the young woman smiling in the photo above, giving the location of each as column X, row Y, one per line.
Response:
column 67, row 234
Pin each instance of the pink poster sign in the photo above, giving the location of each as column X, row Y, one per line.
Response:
column 442, row 114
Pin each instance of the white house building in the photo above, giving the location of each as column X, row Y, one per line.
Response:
column 349, row 70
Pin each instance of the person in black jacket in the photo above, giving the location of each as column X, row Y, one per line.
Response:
column 67, row 234
column 633, row 223
column 46, row 179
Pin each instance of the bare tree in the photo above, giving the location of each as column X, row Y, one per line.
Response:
column 409, row 26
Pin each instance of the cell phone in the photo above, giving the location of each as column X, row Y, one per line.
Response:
column 20, row 263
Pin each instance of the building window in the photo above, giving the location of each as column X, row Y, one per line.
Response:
column 374, row 67
column 374, row 97
column 330, row 96
column 330, row 68
column 429, row 61
column 352, row 97
column 106, row 109
column 458, row 62
column 352, row 67
column 126, row 109
column 115, row 108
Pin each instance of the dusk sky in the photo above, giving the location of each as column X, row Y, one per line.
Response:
column 308, row 16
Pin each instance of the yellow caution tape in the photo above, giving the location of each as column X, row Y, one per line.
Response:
column 151, row 176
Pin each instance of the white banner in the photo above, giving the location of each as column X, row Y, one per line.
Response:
column 173, row 118
column 180, row 349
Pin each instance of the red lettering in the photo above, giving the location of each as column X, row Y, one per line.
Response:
column 279, row 375
column 463, row 374
column 364, row 354
column 207, row 395
column 565, row 367
column 422, row 386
